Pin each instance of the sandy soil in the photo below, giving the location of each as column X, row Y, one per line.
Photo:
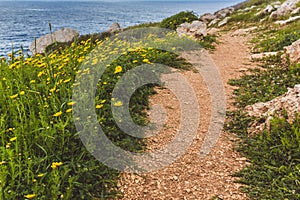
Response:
column 192, row 176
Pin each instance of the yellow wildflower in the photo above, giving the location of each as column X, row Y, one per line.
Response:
column 69, row 110
column 99, row 106
column 58, row 114
column 135, row 61
column 54, row 165
column 118, row 103
column 22, row 93
column 14, row 96
column 67, row 80
column 13, row 139
column 40, row 175
column 146, row 61
column 30, row 196
column 71, row 103
column 118, row 69
column 104, row 83
column 103, row 101
column 32, row 81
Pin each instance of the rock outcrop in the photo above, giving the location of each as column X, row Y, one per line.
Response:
column 284, row 22
column 207, row 17
column 196, row 29
column 285, row 8
column 114, row 28
column 62, row 35
column 289, row 103
column 293, row 52
column 224, row 12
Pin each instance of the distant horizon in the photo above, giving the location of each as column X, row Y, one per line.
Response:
column 237, row 1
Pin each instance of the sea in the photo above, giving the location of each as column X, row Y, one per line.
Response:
column 23, row 21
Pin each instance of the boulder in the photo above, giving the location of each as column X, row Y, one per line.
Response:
column 213, row 31
column 293, row 52
column 114, row 28
column 285, row 8
column 213, row 22
column 207, row 17
column 260, row 56
column 284, row 22
column 61, row 35
column 196, row 29
column 289, row 102
column 223, row 22
column 224, row 12
column 296, row 11
column 267, row 10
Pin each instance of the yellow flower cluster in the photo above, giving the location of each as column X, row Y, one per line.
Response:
column 54, row 165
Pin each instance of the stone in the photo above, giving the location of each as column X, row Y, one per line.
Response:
column 224, row 12
column 61, row 35
column 260, row 56
column 241, row 32
column 223, row 22
column 207, row 17
column 267, row 10
column 296, row 11
column 114, row 28
column 196, row 29
column 212, row 31
column 284, row 22
column 289, row 102
column 213, row 22
column 293, row 52
column 285, row 8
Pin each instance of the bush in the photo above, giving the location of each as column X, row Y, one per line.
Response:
column 174, row 21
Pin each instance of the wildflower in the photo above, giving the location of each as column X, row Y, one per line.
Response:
column 22, row 93
column 103, row 101
column 71, row 103
column 135, row 61
column 118, row 103
column 13, row 139
column 32, row 81
column 2, row 162
column 67, row 80
column 40, row 175
column 99, row 106
column 14, row 96
column 57, row 114
column 4, row 79
column 104, row 83
column 53, row 89
column 8, row 145
column 118, row 69
column 30, row 196
column 54, row 165
column 146, row 61
column 69, row 110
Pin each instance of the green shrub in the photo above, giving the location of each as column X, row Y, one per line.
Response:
column 174, row 21
column 274, row 172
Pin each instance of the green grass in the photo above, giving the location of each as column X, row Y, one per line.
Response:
column 174, row 21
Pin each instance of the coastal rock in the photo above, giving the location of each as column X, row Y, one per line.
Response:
column 196, row 29
column 213, row 31
column 224, row 12
column 289, row 102
column 284, row 22
column 223, row 22
column 267, row 10
column 241, row 32
column 296, row 11
column 293, row 52
column 213, row 22
column 114, row 28
column 61, row 35
column 207, row 17
column 260, row 56
column 285, row 8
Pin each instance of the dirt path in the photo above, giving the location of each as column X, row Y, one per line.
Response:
column 193, row 177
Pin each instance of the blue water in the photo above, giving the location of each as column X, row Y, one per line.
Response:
column 21, row 22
